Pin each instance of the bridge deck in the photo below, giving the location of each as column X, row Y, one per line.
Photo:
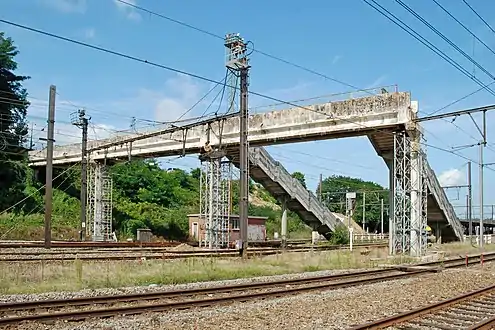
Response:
column 375, row 116
column 355, row 117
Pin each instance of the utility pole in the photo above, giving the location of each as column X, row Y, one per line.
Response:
column 79, row 119
column 237, row 62
column 364, row 211
column 482, row 145
column 470, row 204
column 49, row 167
column 31, row 144
column 381, row 216
column 320, row 188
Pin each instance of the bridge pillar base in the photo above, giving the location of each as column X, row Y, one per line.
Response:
column 99, row 203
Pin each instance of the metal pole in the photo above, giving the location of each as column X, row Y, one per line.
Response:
column 49, row 168
column 320, row 187
column 243, row 163
column 284, row 223
column 481, row 196
column 482, row 145
column 470, row 203
column 84, row 175
column 381, row 217
column 364, row 211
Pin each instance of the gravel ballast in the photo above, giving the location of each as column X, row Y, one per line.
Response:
column 337, row 309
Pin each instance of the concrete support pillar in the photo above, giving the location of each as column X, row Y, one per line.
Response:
column 391, row 180
column 438, row 233
column 284, row 223
column 98, row 200
column 416, row 207
column 99, row 206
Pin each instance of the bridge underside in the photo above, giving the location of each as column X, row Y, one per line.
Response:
column 387, row 119
column 440, row 215
column 289, row 191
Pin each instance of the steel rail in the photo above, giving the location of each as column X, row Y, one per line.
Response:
column 144, row 308
column 16, row 306
column 430, row 310
column 70, row 256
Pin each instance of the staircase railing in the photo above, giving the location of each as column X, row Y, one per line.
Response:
column 442, row 200
column 278, row 173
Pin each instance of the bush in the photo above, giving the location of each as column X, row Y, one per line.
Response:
column 340, row 236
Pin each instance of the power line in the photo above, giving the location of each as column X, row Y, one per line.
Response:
column 464, row 26
column 194, row 76
column 457, row 113
column 441, row 35
column 461, row 99
column 253, row 49
column 479, row 16
column 394, row 19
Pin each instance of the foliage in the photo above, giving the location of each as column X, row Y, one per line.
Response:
column 340, row 235
column 300, row 176
column 13, row 128
column 334, row 189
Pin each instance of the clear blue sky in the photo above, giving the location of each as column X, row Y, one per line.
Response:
column 346, row 40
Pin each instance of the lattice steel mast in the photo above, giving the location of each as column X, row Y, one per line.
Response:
column 409, row 193
column 216, row 172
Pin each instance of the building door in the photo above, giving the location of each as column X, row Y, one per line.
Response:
column 195, row 230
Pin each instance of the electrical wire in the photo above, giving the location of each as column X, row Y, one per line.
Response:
column 196, row 75
column 479, row 16
column 217, row 36
column 383, row 11
column 30, row 195
column 464, row 26
column 441, row 35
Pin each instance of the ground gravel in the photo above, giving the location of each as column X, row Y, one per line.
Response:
column 154, row 287
column 337, row 309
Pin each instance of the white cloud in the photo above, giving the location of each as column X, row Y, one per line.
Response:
column 66, row 6
column 128, row 10
column 377, row 83
column 336, row 58
column 89, row 33
column 451, row 177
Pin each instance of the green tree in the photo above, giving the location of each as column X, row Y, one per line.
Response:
column 300, row 176
column 334, row 190
column 13, row 128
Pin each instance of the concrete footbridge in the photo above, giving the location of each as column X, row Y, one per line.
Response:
column 388, row 120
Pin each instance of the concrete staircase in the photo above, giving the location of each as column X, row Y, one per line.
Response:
column 440, row 210
column 280, row 184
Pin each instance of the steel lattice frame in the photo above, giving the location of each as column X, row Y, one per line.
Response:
column 410, row 197
column 401, row 220
column 424, row 204
column 215, row 206
column 99, row 203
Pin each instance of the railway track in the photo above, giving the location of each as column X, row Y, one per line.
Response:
column 96, row 245
column 473, row 310
column 22, row 256
column 83, row 308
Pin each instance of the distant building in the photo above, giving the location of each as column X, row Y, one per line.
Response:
column 256, row 228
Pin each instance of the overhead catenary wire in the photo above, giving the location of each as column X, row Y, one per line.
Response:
column 217, row 36
column 441, row 35
column 116, row 53
column 464, row 26
column 479, row 16
column 393, row 18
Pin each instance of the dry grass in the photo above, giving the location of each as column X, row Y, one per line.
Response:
column 35, row 277
column 460, row 249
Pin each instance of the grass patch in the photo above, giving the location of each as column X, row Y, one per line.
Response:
column 36, row 277
column 456, row 249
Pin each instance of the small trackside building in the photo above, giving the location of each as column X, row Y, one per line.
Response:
column 256, row 228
